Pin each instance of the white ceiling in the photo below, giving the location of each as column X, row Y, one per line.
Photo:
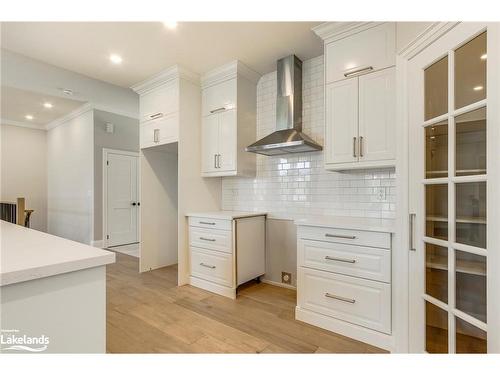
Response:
column 16, row 104
column 149, row 47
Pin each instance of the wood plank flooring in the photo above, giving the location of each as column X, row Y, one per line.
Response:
column 148, row 313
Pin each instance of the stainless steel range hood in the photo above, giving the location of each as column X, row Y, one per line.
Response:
column 288, row 137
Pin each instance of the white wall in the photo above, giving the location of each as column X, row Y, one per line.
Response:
column 24, row 170
column 298, row 184
column 125, row 137
column 407, row 31
column 70, row 160
column 24, row 73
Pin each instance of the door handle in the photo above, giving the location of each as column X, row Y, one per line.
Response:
column 361, row 147
column 411, row 232
column 215, row 160
column 134, row 204
column 218, row 160
column 354, row 146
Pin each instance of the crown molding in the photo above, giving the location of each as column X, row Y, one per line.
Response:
column 425, row 38
column 77, row 112
column 332, row 31
column 165, row 77
column 22, row 124
column 229, row 71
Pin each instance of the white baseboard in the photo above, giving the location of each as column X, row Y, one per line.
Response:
column 212, row 287
column 281, row 285
column 353, row 331
column 97, row 243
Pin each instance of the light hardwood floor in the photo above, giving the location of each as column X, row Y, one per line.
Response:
column 148, row 313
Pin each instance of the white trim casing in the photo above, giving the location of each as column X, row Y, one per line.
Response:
column 105, row 152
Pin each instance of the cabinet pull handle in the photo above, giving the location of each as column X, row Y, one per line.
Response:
column 354, row 146
column 359, row 71
column 215, row 160
column 218, row 160
column 207, row 239
column 350, row 300
column 156, row 115
column 207, row 265
column 206, row 223
column 156, row 135
column 361, row 146
column 340, row 236
column 218, row 110
column 340, row 259
column 411, row 232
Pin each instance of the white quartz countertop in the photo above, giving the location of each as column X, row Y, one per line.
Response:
column 27, row 254
column 347, row 222
column 226, row 215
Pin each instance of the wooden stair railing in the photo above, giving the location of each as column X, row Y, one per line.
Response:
column 16, row 212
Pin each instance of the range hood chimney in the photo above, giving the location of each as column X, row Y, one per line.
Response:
column 288, row 137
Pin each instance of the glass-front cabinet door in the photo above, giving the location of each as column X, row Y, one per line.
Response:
column 448, row 172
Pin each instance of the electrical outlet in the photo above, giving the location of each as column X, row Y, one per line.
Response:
column 381, row 194
column 286, row 277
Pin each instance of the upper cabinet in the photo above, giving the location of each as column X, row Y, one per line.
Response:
column 159, row 105
column 229, row 121
column 360, row 95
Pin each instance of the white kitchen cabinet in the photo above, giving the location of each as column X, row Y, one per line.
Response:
column 227, row 249
column 360, row 128
column 159, row 102
column 344, row 278
column 360, row 95
column 229, row 121
column 160, row 131
column 367, row 51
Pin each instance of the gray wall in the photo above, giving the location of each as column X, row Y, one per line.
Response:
column 125, row 137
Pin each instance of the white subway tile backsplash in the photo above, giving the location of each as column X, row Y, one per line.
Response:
column 298, row 184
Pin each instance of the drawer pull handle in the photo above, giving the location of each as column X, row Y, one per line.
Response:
column 358, row 71
column 207, row 239
column 218, row 110
column 344, row 299
column 156, row 115
column 206, row 223
column 340, row 236
column 340, row 259
column 207, row 265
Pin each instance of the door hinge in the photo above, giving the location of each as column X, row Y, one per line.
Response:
column 107, row 237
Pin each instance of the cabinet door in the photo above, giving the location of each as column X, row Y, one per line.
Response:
column 209, row 143
column 227, row 141
column 159, row 102
column 372, row 49
column 219, row 97
column 341, row 136
column 377, row 112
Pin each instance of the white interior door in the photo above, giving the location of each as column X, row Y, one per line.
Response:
column 377, row 115
column 121, row 199
column 450, row 287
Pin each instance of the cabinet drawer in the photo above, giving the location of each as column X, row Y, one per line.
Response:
column 159, row 102
column 366, row 262
column 220, row 240
column 212, row 266
column 219, row 97
column 159, row 132
column 347, row 236
column 358, row 301
column 204, row 222
column 375, row 47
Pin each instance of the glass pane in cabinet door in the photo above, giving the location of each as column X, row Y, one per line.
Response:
column 436, row 272
column 436, row 329
column 471, row 214
column 469, row 338
column 436, row 150
column 470, row 284
column 436, row 208
column 470, row 72
column 436, row 89
column 471, row 143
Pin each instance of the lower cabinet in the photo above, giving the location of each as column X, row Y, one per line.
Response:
column 226, row 250
column 344, row 282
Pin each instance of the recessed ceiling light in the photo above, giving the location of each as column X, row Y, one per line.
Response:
column 47, row 105
column 478, row 88
column 115, row 59
column 484, row 56
column 170, row 24
column 29, row 117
